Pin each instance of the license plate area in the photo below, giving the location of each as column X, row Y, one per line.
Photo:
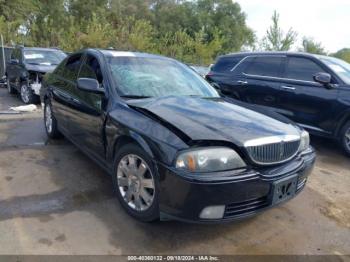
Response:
column 284, row 189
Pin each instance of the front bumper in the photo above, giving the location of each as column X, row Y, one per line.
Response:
column 36, row 88
column 243, row 194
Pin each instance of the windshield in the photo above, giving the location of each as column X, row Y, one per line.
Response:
column 43, row 57
column 340, row 67
column 156, row 77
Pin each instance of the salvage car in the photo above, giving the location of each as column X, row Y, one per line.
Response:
column 26, row 69
column 312, row 90
column 175, row 149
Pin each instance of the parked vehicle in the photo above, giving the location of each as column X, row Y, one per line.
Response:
column 174, row 148
column 5, row 54
column 312, row 90
column 26, row 68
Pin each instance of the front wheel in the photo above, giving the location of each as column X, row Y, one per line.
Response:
column 135, row 183
column 27, row 94
column 345, row 138
column 50, row 122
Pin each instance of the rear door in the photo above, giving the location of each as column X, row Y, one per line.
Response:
column 302, row 99
column 261, row 79
column 222, row 73
column 63, row 90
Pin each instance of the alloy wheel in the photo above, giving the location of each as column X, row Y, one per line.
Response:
column 135, row 182
column 25, row 93
column 347, row 138
column 48, row 119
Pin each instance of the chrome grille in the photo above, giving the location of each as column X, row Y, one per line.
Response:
column 273, row 153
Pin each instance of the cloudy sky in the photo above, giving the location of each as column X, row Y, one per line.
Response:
column 326, row 21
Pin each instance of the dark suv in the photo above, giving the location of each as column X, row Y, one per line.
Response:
column 26, row 68
column 312, row 90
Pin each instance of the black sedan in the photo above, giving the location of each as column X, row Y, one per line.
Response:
column 175, row 149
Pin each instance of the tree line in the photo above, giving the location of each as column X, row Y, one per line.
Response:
column 194, row 31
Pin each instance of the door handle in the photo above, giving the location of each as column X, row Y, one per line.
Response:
column 242, row 82
column 288, row 87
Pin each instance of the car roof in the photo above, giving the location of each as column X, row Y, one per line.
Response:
column 116, row 53
column 41, row 49
column 271, row 53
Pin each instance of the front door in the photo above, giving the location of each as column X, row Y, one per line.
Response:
column 86, row 125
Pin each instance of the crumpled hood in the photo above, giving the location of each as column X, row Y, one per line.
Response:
column 41, row 68
column 214, row 119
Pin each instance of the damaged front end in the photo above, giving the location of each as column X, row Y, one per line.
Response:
column 35, row 80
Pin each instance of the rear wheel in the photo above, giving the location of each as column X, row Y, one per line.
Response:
column 345, row 138
column 135, row 183
column 50, row 122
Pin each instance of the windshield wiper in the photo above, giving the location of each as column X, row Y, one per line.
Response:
column 134, row 96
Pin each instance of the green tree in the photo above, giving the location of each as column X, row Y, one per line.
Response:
column 227, row 18
column 142, row 36
column 276, row 39
column 310, row 46
column 16, row 14
column 192, row 31
column 98, row 33
column 48, row 25
column 343, row 54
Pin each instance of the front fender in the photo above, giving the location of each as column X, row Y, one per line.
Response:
column 344, row 117
column 125, row 125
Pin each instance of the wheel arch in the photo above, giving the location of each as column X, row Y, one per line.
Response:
column 131, row 138
column 343, row 120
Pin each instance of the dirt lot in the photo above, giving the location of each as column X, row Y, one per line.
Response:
column 54, row 200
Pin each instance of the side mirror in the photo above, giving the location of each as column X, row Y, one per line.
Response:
column 89, row 85
column 323, row 78
column 14, row 61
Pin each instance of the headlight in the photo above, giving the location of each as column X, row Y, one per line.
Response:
column 209, row 160
column 304, row 141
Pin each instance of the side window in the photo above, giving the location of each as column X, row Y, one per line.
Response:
column 16, row 54
column 300, row 68
column 225, row 64
column 91, row 69
column 60, row 68
column 71, row 68
column 265, row 66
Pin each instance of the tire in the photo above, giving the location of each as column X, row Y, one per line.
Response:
column 50, row 122
column 345, row 138
column 27, row 94
column 10, row 89
column 143, row 203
